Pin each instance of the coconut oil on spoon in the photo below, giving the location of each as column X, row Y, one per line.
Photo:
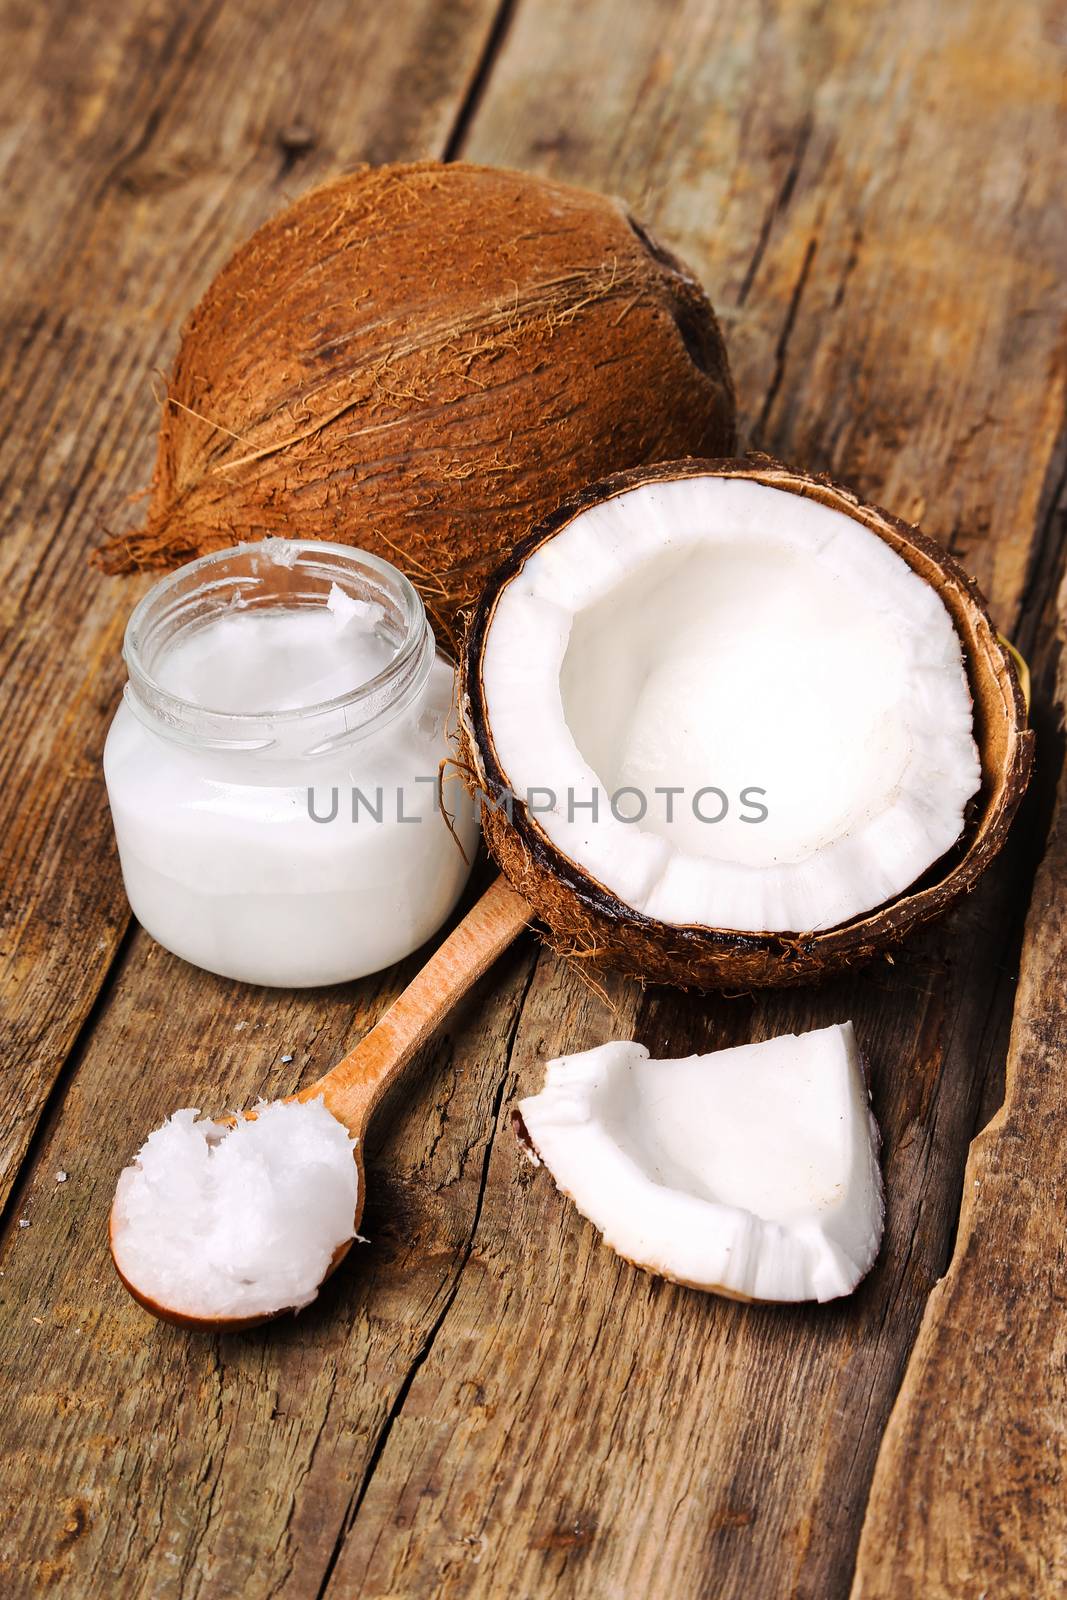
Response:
column 223, row 1225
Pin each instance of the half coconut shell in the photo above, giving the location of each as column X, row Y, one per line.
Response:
column 585, row 918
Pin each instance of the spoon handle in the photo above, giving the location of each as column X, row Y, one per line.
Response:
column 354, row 1086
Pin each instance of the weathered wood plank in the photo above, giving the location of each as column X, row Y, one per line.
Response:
column 585, row 1430
column 870, row 195
column 140, row 1461
column 979, row 1432
column 177, row 130
column 889, row 278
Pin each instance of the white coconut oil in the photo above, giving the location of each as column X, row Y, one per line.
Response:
column 273, row 769
column 239, row 1220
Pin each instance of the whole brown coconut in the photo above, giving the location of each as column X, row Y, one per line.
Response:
column 423, row 360
column 585, row 918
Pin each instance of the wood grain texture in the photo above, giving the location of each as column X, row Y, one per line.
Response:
column 145, row 141
column 846, row 183
column 487, row 1402
column 979, row 1431
column 697, row 1445
column 140, row 1460
column 360, row 1081
column 871, row 196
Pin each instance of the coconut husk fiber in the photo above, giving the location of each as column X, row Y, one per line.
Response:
column 423, row 361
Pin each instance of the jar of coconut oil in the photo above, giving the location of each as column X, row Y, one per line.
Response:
column 273, row 770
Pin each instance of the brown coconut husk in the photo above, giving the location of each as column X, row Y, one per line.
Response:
column 423, row 360
column 585, row 917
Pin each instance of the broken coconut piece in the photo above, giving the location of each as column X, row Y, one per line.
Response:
column 732, row 709
column 750, row 1172
column 230, row 1222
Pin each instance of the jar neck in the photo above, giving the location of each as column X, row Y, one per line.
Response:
column 271, row 576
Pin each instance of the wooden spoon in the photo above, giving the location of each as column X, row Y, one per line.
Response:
column 354, row 1087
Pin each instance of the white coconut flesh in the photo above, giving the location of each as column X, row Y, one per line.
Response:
column 716, row 634
column 216, row 1221
column 752, row 1172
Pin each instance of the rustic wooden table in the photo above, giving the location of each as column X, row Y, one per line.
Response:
column 487, row 1402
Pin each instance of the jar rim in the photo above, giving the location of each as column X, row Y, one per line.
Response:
column 374, row 701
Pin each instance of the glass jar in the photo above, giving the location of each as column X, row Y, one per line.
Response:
column 300, row 846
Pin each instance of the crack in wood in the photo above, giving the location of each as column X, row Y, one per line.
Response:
column 351, row 1514
column 778, row 205
column 468, row 108
column 48, row 1112
column 782, row 347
